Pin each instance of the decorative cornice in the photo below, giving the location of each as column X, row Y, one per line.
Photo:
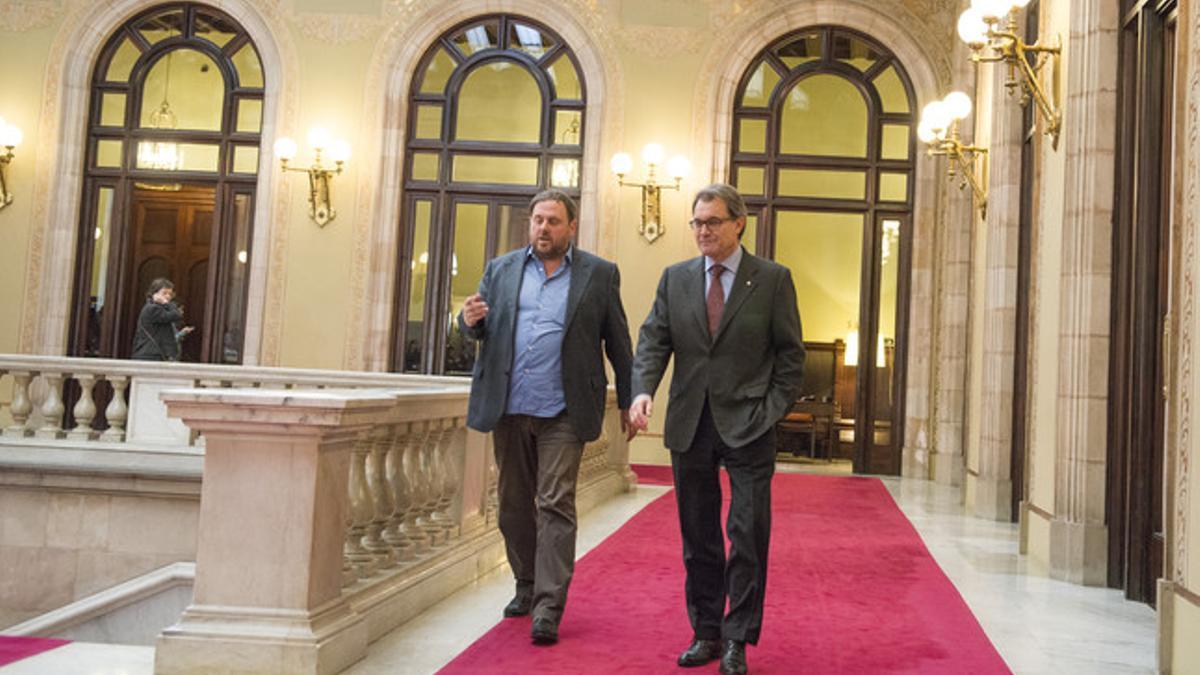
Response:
column 19, row 16
column 338, row 29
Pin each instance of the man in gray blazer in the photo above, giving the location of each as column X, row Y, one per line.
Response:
column 542, row 315
column 730, row 320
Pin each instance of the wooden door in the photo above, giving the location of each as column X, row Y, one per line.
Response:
column 173, row 238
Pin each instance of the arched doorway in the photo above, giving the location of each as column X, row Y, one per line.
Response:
column 823, row 150
column 171, row 163
column 496, row 113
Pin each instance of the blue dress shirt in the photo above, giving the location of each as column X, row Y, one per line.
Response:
column 535, row 387
column 731, row 267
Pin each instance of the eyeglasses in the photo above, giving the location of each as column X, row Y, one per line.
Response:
column 710, row 224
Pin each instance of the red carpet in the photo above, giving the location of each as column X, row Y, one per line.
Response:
column 653, row 474
column 851, row 589
column 17, row 648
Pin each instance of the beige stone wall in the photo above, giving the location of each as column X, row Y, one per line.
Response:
column 85, row 534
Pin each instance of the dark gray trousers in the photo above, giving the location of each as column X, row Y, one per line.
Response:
column 711, row 577
column 538, row 459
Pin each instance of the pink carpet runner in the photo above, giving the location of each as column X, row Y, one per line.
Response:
column 851, row 589
column 17, row 648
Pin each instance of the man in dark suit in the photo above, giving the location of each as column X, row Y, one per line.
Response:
column 730, row 319
column 542, row 315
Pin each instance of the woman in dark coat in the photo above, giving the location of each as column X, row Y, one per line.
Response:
column 155, row 338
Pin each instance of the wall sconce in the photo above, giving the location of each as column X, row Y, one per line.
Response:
column 938, row 129
column 10, row 137
column 651, row 226
column 321, row 208
column 978, row 27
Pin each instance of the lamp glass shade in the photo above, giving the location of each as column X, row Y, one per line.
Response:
column 285, row 148
column 653, row 153
column 679, row 167
column 991, row 10
column 621, row 163
column 318, row 138
column 10, row 136
column 935, row 115
column 958, row 105
column 925, row 133
column 851, row 356
column 972, row 28
column 339, row 151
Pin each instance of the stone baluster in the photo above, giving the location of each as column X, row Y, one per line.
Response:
column 117, row 411
column 85, row 408
column 361, row 510
column 411, row 528
column 401, row 491
column 450, row 450
column 432, row 475
column 21, row 405
column 381, row 439
column 52, row 407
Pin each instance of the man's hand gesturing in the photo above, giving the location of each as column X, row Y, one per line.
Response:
column 474, row 309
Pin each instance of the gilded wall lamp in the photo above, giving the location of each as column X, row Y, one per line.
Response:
column 938, row 129
column 980, row 27
column 10, row 138
column 651, row 226
column 321, row 207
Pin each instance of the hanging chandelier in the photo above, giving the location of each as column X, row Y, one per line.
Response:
column 161, row 155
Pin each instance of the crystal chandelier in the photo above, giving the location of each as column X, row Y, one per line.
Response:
column 161, row 155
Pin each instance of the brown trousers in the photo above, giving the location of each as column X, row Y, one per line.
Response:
column 538, row 459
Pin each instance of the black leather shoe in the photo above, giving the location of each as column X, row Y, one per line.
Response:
column 544, row 631
column 518, row 606
column 700, row 652
column 733, row 660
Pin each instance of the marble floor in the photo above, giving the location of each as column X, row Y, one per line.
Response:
column 1039, row 625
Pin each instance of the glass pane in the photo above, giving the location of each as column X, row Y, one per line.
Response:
column 822, row 183
column 245, row 159
column 891, row 91
column 750, row 180
column 183, row 90
column 824, row 115
column 895, row 141
column 885, row 343
column 108, row 154
column 853, row 51
column 803, row 49
column 501, row 102
column 97, row 297
column 213, row 28
column 492, row 169
column 187, row 156
column 161, row 26
column 514, row 227
column 752, row 135
column 529, row 40
column 466, row 269
column 477, row 38
column 112, row 110
column 750, row 234
column 759, row 87
column 425, row 166
column 429, row 121
column 437, row 73
column 419, row 271
column 249, row 116
column 239, row 273
column 122, row 61
column 893, row 187
column 564, row 173
column 566, row 126
column 566, row 80
column 824, row 252
column 249, row 68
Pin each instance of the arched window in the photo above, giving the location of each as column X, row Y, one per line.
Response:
column 170, row 172
column 495, row 114
column 824, row 153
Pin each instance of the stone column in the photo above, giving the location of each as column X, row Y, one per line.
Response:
column 269, row 547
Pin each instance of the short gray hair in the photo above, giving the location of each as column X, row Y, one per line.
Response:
column 559, row 196
column 727, row 194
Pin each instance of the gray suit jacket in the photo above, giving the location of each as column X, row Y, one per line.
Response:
column 750, row 373
column 594, row 315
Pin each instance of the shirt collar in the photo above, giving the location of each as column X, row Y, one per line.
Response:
column 567, row 256
column 731, row 263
